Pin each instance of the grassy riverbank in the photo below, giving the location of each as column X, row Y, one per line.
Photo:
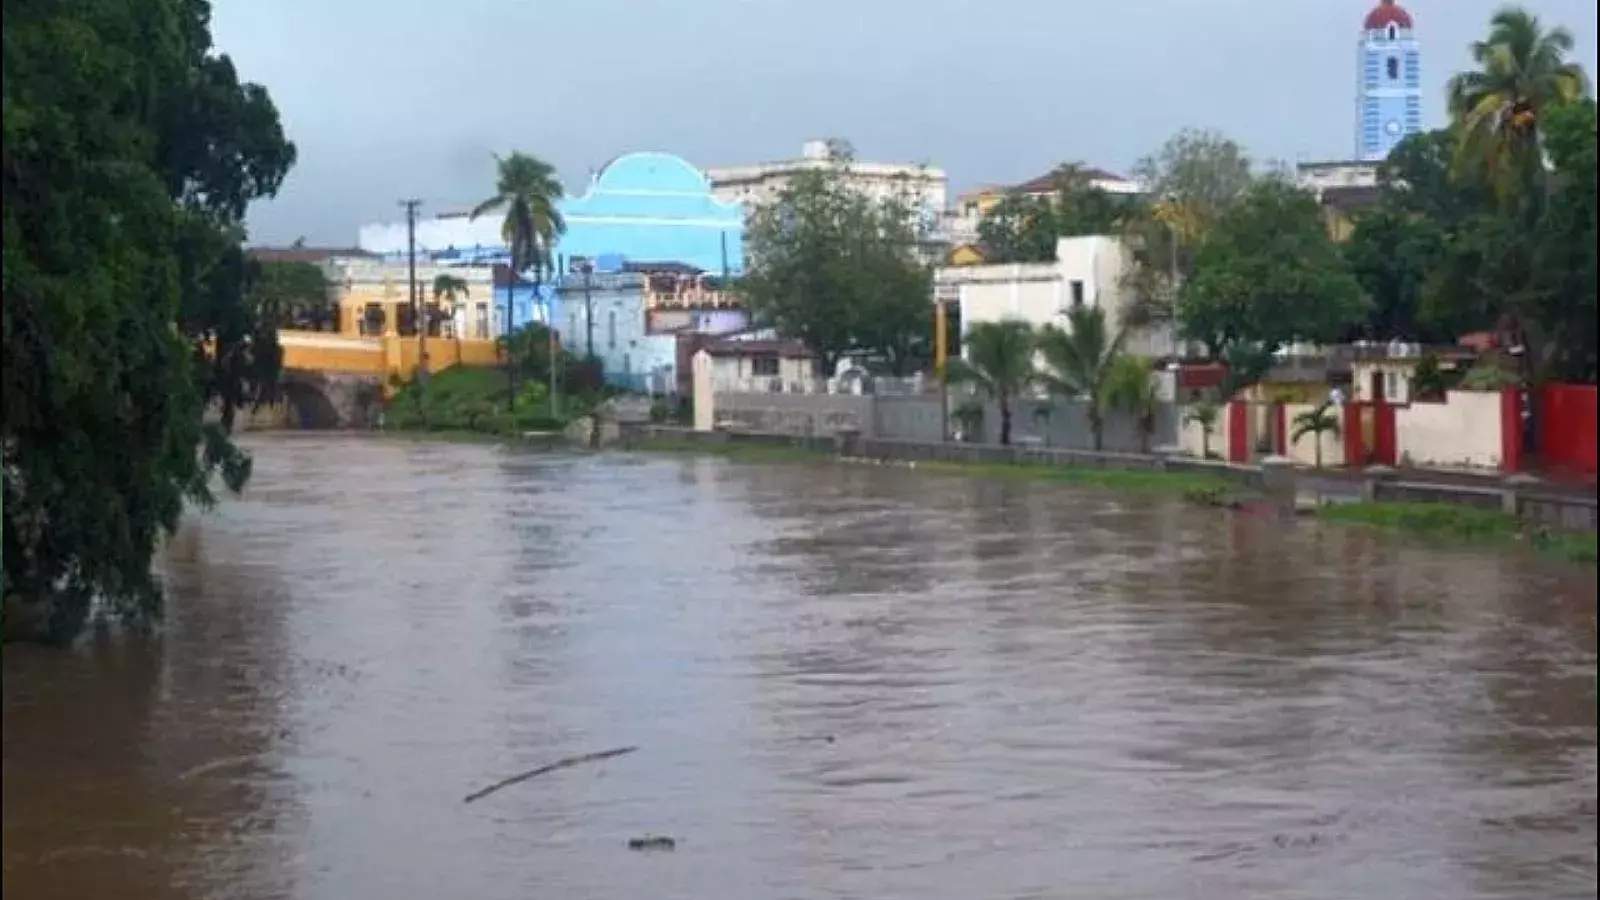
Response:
column 1199, row 485
column 735, row 450
column 461, row 402
column 1448, row 523
column 1463, row 525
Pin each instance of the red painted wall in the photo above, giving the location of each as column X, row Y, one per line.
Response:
column 1567, row 427
column 1238, row 433
column 1385, row 440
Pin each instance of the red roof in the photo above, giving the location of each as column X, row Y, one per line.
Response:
column 1387, row 13
column 1046, row 183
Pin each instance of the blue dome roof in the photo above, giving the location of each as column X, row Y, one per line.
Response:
column 652, row 171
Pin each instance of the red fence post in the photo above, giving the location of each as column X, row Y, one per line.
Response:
column 1238, row 433
column 1354, row 453
column 1510, row 429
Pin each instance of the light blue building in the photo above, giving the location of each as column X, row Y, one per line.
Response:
column 645, row 207
column 639, row 314
column 654, row 207
column 1389, row 95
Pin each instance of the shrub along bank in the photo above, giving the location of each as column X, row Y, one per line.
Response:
column 467, row 400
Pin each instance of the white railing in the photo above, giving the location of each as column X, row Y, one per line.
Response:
column 882, row 386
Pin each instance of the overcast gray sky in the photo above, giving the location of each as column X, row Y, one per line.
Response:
column 395, row 98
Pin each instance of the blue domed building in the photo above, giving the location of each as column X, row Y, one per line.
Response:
column 646, row 241
column 653, row 207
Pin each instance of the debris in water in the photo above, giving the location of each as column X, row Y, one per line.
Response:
column 652, row 842
column 534, row 773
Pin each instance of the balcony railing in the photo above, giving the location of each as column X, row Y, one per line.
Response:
column 691, row 298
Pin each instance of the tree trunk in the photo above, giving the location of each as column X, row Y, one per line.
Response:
column 1317, row 450
column 1095, row 427
column 1005, row 421
column 1205, row 443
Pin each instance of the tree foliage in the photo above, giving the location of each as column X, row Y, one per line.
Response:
column 1194, row 178
column 527, row 191
column 1025, row 228
column 839, row 271
column 1500, row 107
column 131, row 152
column 293, row 294
column 1323, row 419
column 1267, row 276
column 998, row 364
column 1488, row 225
column 1080, row 361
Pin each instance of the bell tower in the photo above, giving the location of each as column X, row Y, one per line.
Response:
column 1389, row 92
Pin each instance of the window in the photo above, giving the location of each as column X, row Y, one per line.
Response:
column 1391, row 386
column 406, row 320
column 482, row 326
column 1077, row 294
column 611, row 329
column 764, row 367
column 1393, row 31
column 1393, row 68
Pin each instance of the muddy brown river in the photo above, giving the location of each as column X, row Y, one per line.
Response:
column 844, row 682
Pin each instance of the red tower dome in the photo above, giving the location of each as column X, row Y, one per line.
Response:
column 1387, row 13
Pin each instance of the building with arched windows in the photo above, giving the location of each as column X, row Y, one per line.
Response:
column 1389, row 90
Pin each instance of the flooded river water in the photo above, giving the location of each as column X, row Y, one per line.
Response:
column 843, row 682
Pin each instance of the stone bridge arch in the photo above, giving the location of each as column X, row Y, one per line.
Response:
column 330, row 400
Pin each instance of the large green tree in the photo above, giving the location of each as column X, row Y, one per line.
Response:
column 1500, row 107
column 1025, row 228
column 839, row 271
column 1193, row 178
column 1563, row 300
column 1268, row 275
column 131, row 152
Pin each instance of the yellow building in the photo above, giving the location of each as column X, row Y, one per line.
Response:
column 376, row 331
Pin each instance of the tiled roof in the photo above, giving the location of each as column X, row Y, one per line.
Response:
column 1046, row 183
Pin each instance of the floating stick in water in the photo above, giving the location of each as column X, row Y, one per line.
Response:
column 535, row 773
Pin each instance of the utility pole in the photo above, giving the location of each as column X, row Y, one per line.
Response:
column 550, row 335
column 588, row 309
column 419, row 314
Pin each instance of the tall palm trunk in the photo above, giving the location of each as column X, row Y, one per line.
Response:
column 1005, row 420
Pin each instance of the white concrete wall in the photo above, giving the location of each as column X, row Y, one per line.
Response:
column 1041, row 293
column 1304, row 451
column 1191, row 436
column 1464, row 431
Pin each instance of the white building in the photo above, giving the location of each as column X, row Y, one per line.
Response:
column 1318, row 177
column 923, row 187
column 1088, row 271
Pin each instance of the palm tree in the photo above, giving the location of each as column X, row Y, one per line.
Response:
column 1204, row 414
column 1315, row 422
column 446, row 288
column 999, row 363
column 527, row 189
column 1079, row 361
column 1500, row 107
column 1129, row 386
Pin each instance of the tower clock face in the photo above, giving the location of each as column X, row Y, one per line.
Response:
column 1393, row 128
